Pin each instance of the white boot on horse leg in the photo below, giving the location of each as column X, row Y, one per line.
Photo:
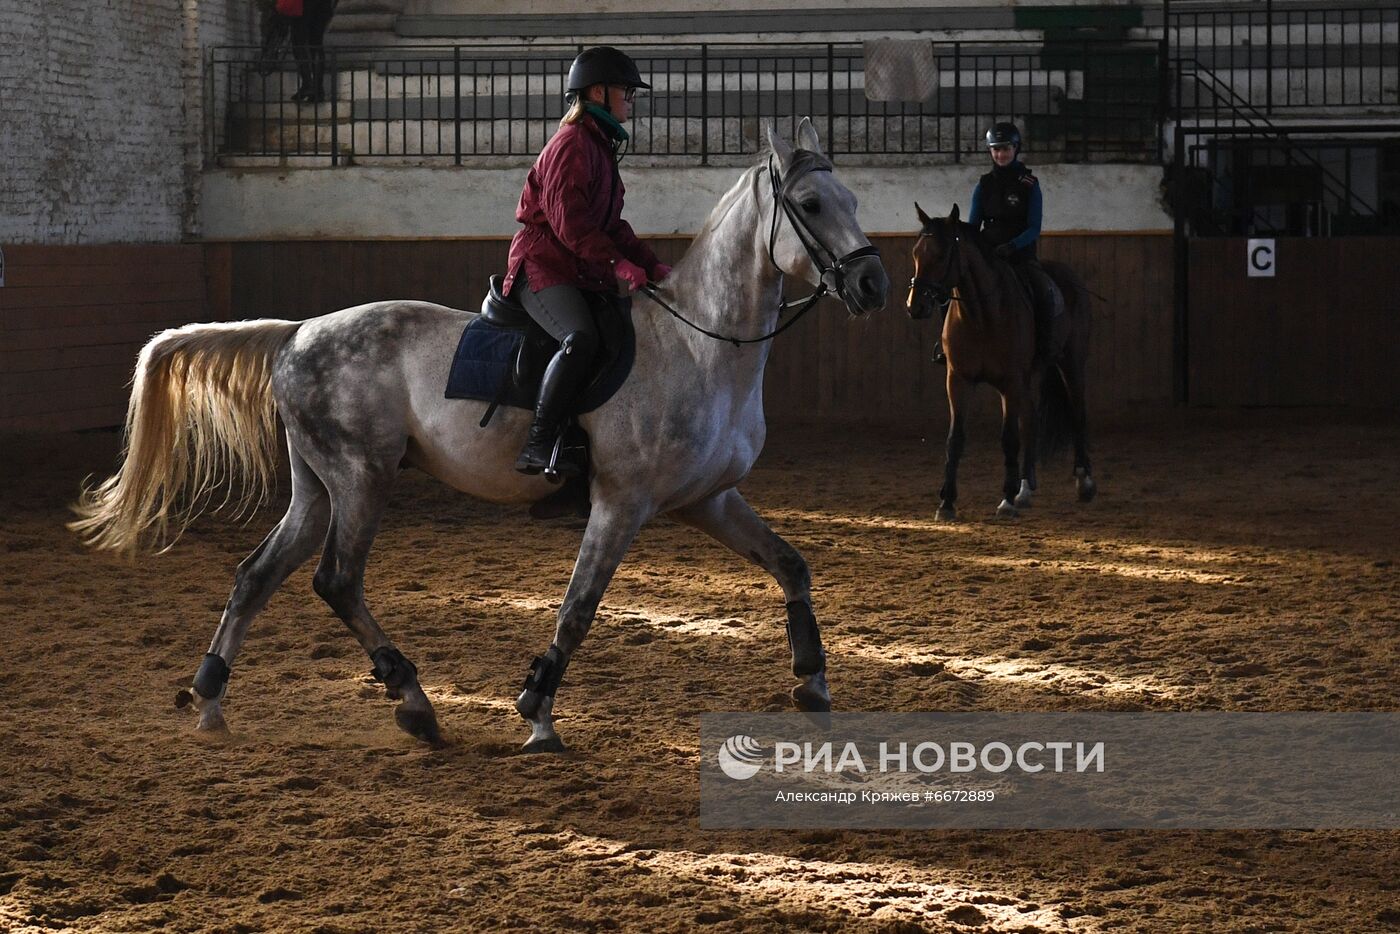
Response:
column 1023, row 498
column 1084, row 484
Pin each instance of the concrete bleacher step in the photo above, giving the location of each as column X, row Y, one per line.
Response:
column 449, row 20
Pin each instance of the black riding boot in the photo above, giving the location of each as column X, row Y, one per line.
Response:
column 562, row 379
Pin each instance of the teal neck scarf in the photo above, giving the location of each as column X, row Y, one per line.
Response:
column 607, row 121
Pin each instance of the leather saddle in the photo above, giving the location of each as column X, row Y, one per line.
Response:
column 501, row 359
column 521, row 383
column 1048, row 304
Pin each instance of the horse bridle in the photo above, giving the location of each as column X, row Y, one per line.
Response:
column 833, row 273
column 940, row 289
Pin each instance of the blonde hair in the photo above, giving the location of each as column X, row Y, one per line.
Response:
column 576, row 106
column 575, row 112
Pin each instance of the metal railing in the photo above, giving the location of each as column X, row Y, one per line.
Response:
column 1285, row 58
column 1077, row 101
column 1243, row 77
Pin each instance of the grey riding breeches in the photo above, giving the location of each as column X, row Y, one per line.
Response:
column 561, row 310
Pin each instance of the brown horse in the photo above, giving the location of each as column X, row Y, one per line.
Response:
column 989, row 337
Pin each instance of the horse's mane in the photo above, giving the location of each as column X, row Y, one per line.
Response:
column 803, row 160
column 728, row 201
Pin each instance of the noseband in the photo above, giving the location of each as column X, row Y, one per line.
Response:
column 833, row 273
column 941, row 289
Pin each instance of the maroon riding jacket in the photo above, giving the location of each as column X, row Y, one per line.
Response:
column 572, row 211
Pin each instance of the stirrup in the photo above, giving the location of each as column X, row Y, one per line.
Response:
column 559, row 467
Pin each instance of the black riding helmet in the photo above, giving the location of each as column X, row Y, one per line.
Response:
column 1004, row 134
column 603, row 64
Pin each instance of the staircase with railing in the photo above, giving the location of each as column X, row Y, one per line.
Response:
column 1269, row 103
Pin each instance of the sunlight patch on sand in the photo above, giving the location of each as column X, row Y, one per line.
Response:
column 865, row 891
column 625, row 613
column 1049, row 676
column 448, row 697
column 869, row 522
column 1065, row 679
column 1144, row 571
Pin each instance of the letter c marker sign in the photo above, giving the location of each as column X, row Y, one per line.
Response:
column 1260, row 258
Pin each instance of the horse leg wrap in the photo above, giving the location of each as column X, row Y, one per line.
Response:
column 392, row 670
column 804, row 640
column 211, row 678
column 546, row 671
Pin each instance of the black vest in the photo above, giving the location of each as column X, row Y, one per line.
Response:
column 1005, row 204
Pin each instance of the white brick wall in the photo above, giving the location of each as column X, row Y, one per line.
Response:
column 101, row 116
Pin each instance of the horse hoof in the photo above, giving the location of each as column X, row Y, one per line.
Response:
column 212, row 722
column 946, row 514
column 183, row 699
column 809, row 700
column 545, row 744
column 1023, row 498
column 1087, row 488
column 1006, row 511
column 420, row 724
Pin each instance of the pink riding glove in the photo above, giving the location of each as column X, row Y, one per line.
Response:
column 631, row 276
column 659, row 272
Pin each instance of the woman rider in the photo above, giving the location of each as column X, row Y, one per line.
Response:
column 574, row 240
column 1006, row 208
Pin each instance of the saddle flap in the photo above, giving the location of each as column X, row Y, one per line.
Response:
column 502, row 310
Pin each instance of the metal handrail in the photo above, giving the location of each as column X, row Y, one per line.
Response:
column 464, row 101
column 1239, row 107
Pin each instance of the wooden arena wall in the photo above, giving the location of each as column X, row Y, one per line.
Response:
column 1324, row 330
column 829, row 366
column 73, row 318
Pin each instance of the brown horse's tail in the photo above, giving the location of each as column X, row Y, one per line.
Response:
column 1055, row 415
column 201, row 417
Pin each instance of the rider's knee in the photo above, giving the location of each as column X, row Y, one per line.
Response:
column 582, row 343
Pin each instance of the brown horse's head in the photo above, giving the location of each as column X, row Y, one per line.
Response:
column 937, row 263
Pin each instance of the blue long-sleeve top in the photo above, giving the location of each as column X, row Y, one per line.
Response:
column 1033, row 216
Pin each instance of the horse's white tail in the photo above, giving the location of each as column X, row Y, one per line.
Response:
column 201, row 416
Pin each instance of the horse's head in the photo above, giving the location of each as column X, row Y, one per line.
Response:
column 937, row 263
column 822, row 243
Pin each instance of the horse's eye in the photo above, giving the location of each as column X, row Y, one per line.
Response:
column 812, row 206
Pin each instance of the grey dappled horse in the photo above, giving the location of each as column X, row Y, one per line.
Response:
column 360, row 392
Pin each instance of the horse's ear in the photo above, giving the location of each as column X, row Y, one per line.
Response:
column 781, row 147
column 807, row 137
column 954, row 216
column 924, row 219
